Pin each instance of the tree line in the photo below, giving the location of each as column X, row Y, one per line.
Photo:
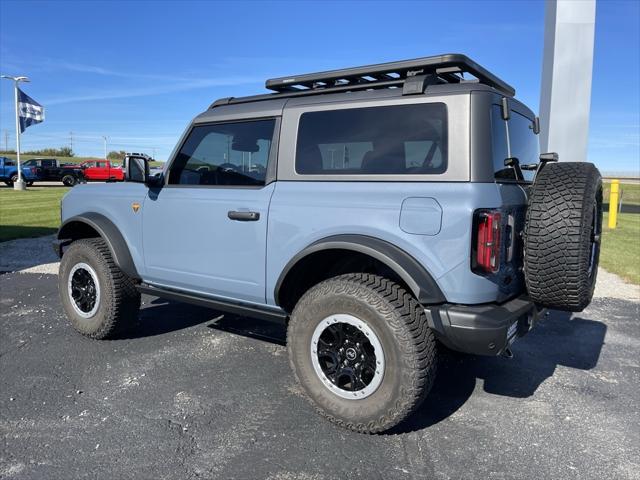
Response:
column 45, row 152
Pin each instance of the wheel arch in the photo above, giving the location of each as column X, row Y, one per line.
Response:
column 407, row 269
column 92, row 225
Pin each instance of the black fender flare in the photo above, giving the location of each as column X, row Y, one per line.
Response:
column 417, row 278
column 108, row 231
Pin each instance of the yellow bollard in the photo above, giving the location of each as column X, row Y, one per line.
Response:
column 614, row 198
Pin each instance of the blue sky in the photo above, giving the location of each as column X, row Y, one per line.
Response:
column 138, row 72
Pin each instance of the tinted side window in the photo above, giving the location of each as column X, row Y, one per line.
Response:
column 524, row 143
column 224, row 154
column 398, row 139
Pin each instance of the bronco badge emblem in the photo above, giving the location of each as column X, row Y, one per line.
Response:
column 135, row 206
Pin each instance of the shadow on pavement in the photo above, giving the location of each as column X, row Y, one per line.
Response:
column 14, row 232
column 560, row 339
column 161, row 316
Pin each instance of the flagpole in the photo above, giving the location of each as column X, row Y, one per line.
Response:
column 19, row 185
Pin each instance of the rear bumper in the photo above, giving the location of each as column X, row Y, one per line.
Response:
column 486, row 329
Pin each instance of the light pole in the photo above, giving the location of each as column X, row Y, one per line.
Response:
column 19, row 185
column 104, row 138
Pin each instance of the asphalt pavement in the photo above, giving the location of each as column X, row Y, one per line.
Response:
column 189, row 393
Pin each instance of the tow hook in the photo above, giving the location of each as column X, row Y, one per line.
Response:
column 507, row 353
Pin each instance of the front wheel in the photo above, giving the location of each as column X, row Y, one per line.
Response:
column 360, row 347
column 69, row 180
column 96, row 295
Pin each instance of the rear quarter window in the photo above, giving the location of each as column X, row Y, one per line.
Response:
column 389, row 140
column 522, row 143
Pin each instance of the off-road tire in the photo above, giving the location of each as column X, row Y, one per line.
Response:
column 69, row 180
column 408, row 344
column 562, row 235
column 119, row 301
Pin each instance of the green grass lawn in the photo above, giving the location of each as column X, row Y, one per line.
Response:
column 621, row 247
column 630, row 193
column 31, row 213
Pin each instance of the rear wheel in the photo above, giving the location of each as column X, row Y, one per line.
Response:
column 69, row 180
column 96, row 295
column 562, row 235
column 360, row 347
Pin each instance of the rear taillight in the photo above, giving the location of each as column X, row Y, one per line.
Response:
column 486, row 248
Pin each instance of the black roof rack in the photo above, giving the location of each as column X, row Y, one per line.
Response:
column 410, row 75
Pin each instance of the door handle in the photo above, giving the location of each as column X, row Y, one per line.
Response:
column 244, row 216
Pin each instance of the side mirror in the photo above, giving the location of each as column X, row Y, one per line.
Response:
column 536, row 125
column 137, row 170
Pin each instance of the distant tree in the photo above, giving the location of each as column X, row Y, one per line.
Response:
column 113, row 155
column 51, row 152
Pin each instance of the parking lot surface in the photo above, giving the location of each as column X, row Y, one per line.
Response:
column 188, row 393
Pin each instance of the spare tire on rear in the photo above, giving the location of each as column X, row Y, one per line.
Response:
column 562, row 235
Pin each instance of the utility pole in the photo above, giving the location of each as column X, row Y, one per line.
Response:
column 154, row 153
column 71, row 141
column 6, row 140
column 105, row 146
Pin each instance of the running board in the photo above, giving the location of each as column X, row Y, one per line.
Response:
column 244, row 309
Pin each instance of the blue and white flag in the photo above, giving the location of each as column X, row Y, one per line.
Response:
column 29, row 111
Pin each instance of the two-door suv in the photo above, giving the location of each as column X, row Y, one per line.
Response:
column 376, row 210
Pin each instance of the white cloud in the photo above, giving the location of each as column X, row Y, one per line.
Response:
column 177, row 86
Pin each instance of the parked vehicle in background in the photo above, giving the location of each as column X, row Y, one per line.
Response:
column 53, row 170
column 375, row 210
column 101, row 170
column 9, row 172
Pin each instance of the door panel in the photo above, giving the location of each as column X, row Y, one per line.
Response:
column 191, row 243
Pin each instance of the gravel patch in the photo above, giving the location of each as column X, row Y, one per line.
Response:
column 610, row 285
column 35, row 255
column 29, row 255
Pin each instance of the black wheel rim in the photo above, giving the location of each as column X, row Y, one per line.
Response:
column 347, row 356
column 84, row 290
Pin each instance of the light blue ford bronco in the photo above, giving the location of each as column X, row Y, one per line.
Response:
column 378, row 211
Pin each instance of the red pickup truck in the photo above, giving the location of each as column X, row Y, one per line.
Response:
column 101, row 170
